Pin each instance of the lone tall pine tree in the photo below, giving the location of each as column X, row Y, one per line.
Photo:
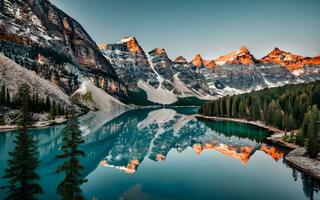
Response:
column 69, row 188
column 21, row 170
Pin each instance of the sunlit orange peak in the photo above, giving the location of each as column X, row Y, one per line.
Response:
column 132, row 44
column 209, row 63
column 286, row 59
column 241, row 56
column 102, row 46
column 197, row 61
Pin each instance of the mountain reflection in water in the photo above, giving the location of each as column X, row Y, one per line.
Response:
column 140, row 136
column 165, row 129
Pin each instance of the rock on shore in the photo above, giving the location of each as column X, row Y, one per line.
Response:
column 301, row 161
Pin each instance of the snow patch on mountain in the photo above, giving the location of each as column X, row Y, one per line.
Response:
column 108, row 106
column 100, row 99
column 226, row 90
column 182, row 88
column 159, row 77
column 158, row 95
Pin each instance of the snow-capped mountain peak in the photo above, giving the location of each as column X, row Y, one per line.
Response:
column 132, row 44
column 241, row 56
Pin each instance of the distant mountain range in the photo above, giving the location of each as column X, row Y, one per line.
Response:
column 41, row 38
column 166, row 81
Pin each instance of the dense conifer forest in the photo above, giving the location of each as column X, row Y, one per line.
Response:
column 282, row 107
column 288, row 108
column 36, row 104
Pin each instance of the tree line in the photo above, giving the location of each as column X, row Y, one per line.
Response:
column 21, row 171
column 35, row 104
column 287, row 108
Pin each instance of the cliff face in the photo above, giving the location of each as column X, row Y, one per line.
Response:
column 130, row 62
column 39, row 33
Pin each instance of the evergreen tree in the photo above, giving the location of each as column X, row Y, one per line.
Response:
column 69, row 188
column 256, row 110
column 288, row 123
column 312, row 143
column 8, row 98
column 221, row 107
column 228, row 107
column 234, row 107
column 216, row 108
column 3, row 94
column 2, row 121
column 52, row 115
column 48, row 104
column 23, row 162
column 242, row 109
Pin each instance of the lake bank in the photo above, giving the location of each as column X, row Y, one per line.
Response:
column 296, row 157
column 254, row 123
column 38, row 124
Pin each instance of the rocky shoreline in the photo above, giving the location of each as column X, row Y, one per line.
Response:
column 39, row 124
column 297, row 157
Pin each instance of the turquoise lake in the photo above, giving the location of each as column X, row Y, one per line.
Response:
column 169, row 154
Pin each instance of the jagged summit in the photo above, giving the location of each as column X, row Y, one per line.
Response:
column 284, row 58
column 241, row 56
column 209, row 63
column 180, row 60
column 159, row 52
column 198, row 61
column 129, row 42
column 132, row 44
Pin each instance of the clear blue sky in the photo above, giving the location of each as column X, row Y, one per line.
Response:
column 208, row 27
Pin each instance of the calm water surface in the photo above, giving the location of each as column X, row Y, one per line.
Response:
column 168, row 154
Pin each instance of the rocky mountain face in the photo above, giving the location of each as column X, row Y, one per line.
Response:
column 236, row 72
column 130, row 62
column 42, row 38
column 154, row 73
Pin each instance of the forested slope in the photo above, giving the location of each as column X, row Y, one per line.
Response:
column 282, row 107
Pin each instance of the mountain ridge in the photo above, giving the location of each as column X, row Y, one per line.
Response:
column 236, row 72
